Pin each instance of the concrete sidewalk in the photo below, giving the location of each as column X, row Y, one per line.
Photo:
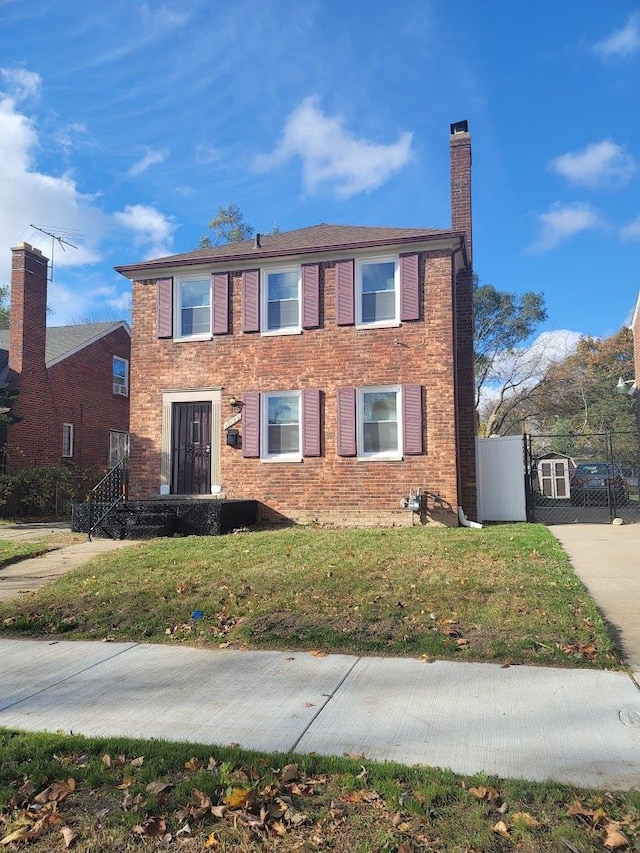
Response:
column 572, row 726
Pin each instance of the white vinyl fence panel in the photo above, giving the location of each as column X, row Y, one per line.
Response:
column 501, row 485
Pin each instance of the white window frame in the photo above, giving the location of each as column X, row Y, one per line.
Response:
column 265, row 455
column 387, row 322
column 177, row 308
column 265, row 272
column 117, row 385
column 116, row 453
column 67, row 441
column 395, row 455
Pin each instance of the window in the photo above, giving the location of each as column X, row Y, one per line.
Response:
column 281, row 431
column 193, row 308
column 378, row 419
column 120, row 376
column 118, row 447
column 377, row 292
column 281, row 301
column 381, row 422
column 67, row 441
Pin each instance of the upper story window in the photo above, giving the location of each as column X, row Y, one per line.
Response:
column 281, row 432
column 193, row 308
column 281, row 301
column 377, row 292
column 120, row 376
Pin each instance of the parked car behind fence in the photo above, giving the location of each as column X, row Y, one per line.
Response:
column 597, row 484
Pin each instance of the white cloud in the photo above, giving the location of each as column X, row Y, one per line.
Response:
column 623, row 42
column 332, row 156
column 563, row 221
column 206, row 154
column 601, row 163
column 30, row 197
column 151, row 158
column 19, row 83
column 632, row 230
column 149, row 227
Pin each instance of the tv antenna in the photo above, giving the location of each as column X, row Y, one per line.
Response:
column 59, row 236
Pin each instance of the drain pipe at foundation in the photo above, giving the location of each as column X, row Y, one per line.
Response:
column 464, row 521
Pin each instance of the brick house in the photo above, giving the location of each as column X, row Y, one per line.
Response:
column 325, row 372
column 72, row 381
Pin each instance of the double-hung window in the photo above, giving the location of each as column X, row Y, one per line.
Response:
column 281, row 427
column 120, row 376
column 118, row 447
column 193, row 308
column 378, row 292
column 379, row 417
column 281, row 301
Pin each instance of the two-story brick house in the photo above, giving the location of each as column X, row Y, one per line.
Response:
column 324, row 372
column 72, row 381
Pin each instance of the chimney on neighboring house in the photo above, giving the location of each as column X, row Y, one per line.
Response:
column 460, row 148
column 28, row 315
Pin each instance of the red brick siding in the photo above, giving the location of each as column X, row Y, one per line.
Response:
column 328, row 487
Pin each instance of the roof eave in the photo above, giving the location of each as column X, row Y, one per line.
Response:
column 131, row 271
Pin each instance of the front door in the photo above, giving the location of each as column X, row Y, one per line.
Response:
column 191, row 449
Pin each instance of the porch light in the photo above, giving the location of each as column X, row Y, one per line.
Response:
column 236, row 404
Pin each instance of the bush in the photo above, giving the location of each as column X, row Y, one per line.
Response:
column 39, row 491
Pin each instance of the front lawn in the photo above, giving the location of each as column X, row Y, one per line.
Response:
column 505, row 594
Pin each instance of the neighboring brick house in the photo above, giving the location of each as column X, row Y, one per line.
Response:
column 72, row 381
column 324, row 372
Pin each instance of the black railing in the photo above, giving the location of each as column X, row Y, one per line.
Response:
column 106, row 495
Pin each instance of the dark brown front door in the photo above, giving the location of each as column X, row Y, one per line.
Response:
column 191, row 449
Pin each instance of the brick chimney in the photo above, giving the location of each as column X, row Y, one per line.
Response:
column 28, row 316
column 460, row 148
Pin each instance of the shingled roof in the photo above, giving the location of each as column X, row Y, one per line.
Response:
column 62, row 341
column 314, row 239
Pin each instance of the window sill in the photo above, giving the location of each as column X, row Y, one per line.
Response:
column 182, row 340
column 281, row 459
column 275, row 333
column 380, row 458
column 386, row 324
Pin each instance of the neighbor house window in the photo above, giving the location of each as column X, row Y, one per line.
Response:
column 377, row 290
column 281, row 432
column 193, row 308
column 281, row 300
column 67, row 441
column 120, row 376
column 118, row 447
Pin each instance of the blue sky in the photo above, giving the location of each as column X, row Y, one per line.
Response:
column 124, row 125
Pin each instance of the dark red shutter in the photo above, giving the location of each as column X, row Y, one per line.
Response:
column 251, row 301
column 310, row 296
column 345, row 314
column 409, row 288
column 311, row 422
column 346, row 399
column 164, row 307
column 411, row 419
column 251, row 424
column 220, row 287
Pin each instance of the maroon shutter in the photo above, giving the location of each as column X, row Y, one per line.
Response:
column 311, row 422
column 346, row 398
column 310, row 296
column 345, row 315
column 411, row 419
column 409, row 288
column 220, row 287
column 251, row 424
column 164, row 322
column 251, row 301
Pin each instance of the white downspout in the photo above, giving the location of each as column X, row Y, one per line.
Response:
column 464, row 521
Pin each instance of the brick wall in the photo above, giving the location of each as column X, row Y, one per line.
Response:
column 330, row 487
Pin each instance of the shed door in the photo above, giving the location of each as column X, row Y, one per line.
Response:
column 191, row 449
column 554, row 478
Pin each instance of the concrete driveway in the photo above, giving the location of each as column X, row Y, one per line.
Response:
column 606, row 557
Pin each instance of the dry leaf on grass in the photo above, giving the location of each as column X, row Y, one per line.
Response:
column 615, row 840
column 68, row 836
column 501, row 829
column 526, row 819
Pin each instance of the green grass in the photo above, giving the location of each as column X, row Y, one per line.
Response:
column 14, row 551
column 504, row 593
column 241, row 801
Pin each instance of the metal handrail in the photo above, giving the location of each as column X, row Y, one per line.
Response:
column 109, row 492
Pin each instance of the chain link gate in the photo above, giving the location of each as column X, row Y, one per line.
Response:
column 592, row 477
